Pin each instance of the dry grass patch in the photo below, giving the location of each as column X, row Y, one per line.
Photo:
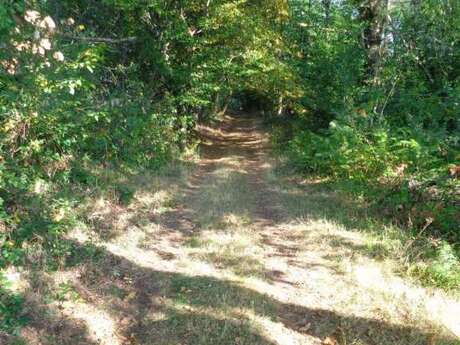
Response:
column 230, row 254
column 236, row 250
column 223, row 200
column 124, row 201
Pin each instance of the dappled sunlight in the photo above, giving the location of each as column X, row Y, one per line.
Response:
column 234, row 250
column 15, row 279
column 278, row 333
column 221, row 256
column 424, row 304
column 102, row 328
column 153, row 201
column 243, row 172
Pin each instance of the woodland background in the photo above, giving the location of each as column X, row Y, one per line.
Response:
column 362, row 94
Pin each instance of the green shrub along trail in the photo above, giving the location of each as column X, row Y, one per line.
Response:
column 334, row 117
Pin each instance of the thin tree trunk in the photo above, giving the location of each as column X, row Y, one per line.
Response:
column 327, row 10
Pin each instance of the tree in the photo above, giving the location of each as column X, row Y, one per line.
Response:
column 374, row 15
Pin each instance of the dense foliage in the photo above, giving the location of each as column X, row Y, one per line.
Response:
column 100, row 83
column 387, row 121
column 398, row 127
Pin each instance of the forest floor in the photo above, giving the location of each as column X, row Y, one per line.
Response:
column 226, row 250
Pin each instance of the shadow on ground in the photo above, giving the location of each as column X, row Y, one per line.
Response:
column 155, row 307
column 149, row 305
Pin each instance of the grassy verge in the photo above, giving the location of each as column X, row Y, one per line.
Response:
column 430, row 259
column 100, row 203
column 225, row 253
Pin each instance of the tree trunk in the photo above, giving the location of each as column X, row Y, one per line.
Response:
column 374, row 14
column 327, row 10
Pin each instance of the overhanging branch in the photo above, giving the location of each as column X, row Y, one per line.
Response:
column 100, row 39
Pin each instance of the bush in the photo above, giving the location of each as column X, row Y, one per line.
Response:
column 11, row 306
column 412, row 173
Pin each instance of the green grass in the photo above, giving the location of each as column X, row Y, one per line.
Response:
column 429, row 260
column 241, row 264
column 232, row 280
column 224, row 195
column 12, row 317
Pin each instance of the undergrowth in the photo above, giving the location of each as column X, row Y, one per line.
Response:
column 424, row 250
column 11, row 309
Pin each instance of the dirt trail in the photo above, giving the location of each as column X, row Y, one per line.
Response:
column 231, row 253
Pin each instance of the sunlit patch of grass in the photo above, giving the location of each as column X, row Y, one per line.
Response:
column 224, row 199
column 440, row 268
column 159, row 200
column 418, row 256
column 236, row 250
column 242, row 265
column 124, row 198
column 112, row 201
column 231, row 220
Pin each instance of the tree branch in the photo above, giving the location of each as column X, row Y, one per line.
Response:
column 100, row 39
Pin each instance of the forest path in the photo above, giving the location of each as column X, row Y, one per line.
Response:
column 229, row 253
